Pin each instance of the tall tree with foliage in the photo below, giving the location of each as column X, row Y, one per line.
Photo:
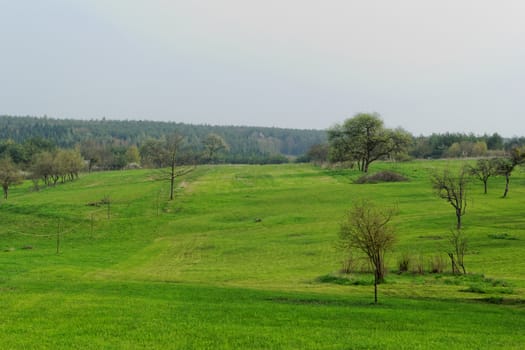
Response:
column 452, row 187
column 364, row 139
column 9, row 175
column 213, row 144
column 153, row 153
column 367, row 229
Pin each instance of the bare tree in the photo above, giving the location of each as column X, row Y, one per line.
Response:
column 9, row 175
column 458, row 245
column 367, row 229
column 173, row 143
column 484, row 169
column 452, row 188
column 505, row 166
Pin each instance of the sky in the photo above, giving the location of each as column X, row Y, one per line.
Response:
column 425, row 66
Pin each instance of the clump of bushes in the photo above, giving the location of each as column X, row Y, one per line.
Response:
column 382, row 176
column 416, row 264
column 437, row 264
column 404, row 262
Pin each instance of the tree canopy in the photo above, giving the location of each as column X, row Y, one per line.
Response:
column 363, row 139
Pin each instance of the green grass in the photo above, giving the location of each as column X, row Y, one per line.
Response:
column 245, row 257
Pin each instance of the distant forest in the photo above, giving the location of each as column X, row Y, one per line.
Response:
column 245, row 144
column 118, row 143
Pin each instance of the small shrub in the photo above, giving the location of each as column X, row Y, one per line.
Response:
column 382, row 176
column 505, row 236
column 343, row 281
column 349, row 265
column 497, row 283
column 418, row 266
column 404, row 262
column 334, row 280
column 506, row 291
column 474, row 288
column 437, row 264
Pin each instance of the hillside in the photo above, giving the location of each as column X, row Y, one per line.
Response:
column 237, row 260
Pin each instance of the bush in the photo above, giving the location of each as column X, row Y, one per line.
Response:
column 475, row 289
column 382, row 176
column 418, row 266
column 437, row 264
column 404, row 262
column 343, row 281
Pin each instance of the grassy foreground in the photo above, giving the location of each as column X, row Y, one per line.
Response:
column 237, row 260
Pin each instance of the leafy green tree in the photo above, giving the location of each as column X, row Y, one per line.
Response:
column 69, row 163
column 364, row 139
column 153, row 153
column 452, row 187
column 91, row 151
column 495, row 142
column 367, row 229
column 318, row 153
column 213, row 144
column 9, row 175
column 132, row 155
column 42, row 167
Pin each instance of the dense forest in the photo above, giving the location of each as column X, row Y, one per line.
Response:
column 245, row 144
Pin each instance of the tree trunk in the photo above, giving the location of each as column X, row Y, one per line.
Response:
column 172, row 181
column 507, row 180
column 453, row 263
column 375, row 288
column 485, row 185
column 172, row 177
column 6, row 190
column 458, row 215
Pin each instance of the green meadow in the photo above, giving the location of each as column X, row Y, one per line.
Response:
column 245, row 257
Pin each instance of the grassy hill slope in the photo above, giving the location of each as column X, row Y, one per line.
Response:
column 234, row 262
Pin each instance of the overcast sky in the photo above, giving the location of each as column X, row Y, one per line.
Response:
column 426, row 66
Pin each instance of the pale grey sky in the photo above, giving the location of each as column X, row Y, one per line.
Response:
column 427, row 66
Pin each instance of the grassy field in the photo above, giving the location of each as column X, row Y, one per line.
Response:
column 245, row 258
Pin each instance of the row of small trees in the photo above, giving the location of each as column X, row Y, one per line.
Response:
column 63, row 165
column 48, row 167
column 52, row 167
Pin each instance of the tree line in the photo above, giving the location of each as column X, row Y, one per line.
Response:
column 363, row 139
column 246, row 144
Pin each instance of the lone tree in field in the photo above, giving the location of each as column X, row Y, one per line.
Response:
column 367, row 229
column 452, row 187
column 363, row 139
column 173, row 142
column 9, row 175
column 484, row 169
column 505, row 166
